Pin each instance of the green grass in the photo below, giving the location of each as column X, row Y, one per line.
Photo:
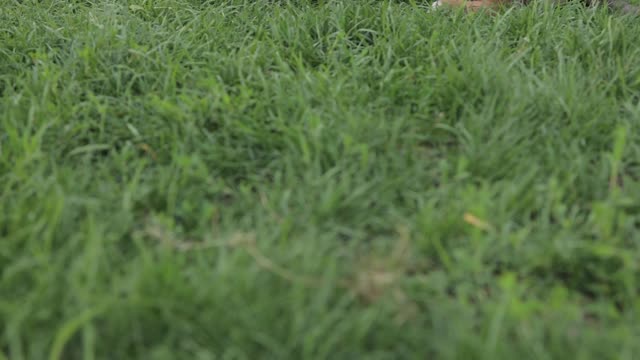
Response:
column 317, row 180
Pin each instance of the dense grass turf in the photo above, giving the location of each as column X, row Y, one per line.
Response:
column 317, row 179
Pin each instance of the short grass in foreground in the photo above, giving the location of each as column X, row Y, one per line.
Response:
column 313, row 180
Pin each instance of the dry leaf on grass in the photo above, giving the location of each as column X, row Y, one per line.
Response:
column 477, row 222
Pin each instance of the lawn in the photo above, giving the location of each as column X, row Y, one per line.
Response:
column 359, row 179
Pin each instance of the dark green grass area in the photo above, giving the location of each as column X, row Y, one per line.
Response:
column 317, row 180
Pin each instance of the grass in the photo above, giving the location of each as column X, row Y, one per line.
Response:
column 183, row 179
